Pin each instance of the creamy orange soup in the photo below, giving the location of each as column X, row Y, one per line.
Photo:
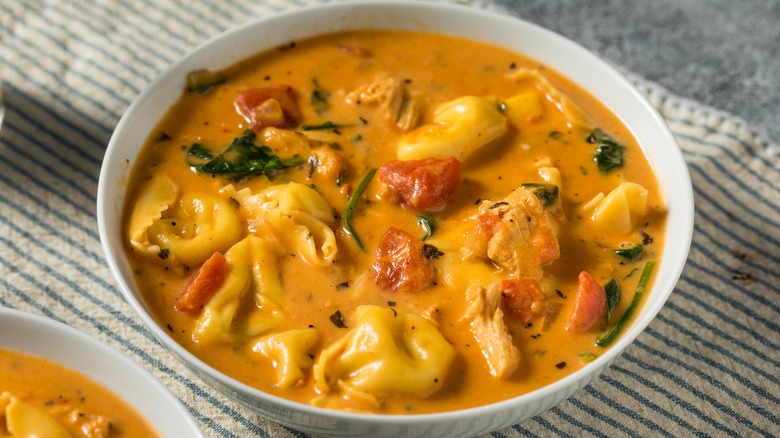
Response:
column 392, row 222
column 42, row 398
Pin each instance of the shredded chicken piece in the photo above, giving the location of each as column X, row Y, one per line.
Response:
column 385, row 92
column 487, row 326
column 409, row 114
column 91, row 425
column 391, row 96
column 520, row 235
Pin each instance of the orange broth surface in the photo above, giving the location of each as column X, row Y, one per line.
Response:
column 82, row 406
column 433, row 69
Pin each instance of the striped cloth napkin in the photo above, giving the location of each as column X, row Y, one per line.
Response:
column 707, row 366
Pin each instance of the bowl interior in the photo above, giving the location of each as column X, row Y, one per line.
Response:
column 62, row 344
column 582, row 67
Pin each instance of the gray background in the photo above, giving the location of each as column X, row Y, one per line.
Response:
column 722, row 53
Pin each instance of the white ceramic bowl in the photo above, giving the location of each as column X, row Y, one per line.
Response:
column 77, row 351
column 551, row 49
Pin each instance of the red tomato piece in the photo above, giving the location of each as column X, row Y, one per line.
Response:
column 271, row 105
column 523, row 299
column 488, row 225
column 545, row 244
column 427, row 184
column 400, row 264
column 589, row 305
column 203, row 284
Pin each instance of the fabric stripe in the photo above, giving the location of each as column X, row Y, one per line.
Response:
column 746, row 383
column 604, row 418
column 579, row 424
column 744, row 146
column 717, row 314
column 20, row 77
column 609, row 402
column 82, row 163
column 741, row 205
column 35, row 162
column 704, row 397
column 707, row 378
column 677, row 401
column 55, row 212
column 64, row 127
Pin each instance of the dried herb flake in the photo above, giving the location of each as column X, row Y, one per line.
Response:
column 338, row 319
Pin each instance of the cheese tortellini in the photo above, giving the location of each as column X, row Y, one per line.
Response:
column 524, row 107
column 385, row 352
column 460, row 128
column 294, row 215
column 157, row 196
column 252, row 268
column 185, row 228
column 575, row 115
column 289, row 352
column 23, row 420
column 620, row 210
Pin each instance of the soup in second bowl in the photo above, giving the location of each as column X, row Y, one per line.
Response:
column 39, row 398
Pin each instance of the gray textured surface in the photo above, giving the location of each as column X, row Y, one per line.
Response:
column 721, row 53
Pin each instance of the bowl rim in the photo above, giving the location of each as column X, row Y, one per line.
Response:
column 671, row 265
column 100, row 363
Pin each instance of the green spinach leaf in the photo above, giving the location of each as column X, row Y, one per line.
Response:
column 547, row 193
column 352, row 203
column 638, row 293
column 321, row 126
column 610, row 154
column 631, row 253
column 428, row 225
column 612, row 291
column 243, row 158
column 319, row 98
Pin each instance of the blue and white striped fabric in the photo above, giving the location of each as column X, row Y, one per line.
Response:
column 707, row 366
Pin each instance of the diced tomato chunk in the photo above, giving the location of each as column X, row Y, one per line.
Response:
column 488, row 225
column 203, row 284
column 271, row 105
column 589, row 305
column 400, row 264
column 545, row 244
column 427, row 184
column 523, row 299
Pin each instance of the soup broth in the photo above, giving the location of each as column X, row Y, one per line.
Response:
column 392, row 222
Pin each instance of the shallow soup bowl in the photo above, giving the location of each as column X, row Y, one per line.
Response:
column 62, row 345
column 574, row 62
